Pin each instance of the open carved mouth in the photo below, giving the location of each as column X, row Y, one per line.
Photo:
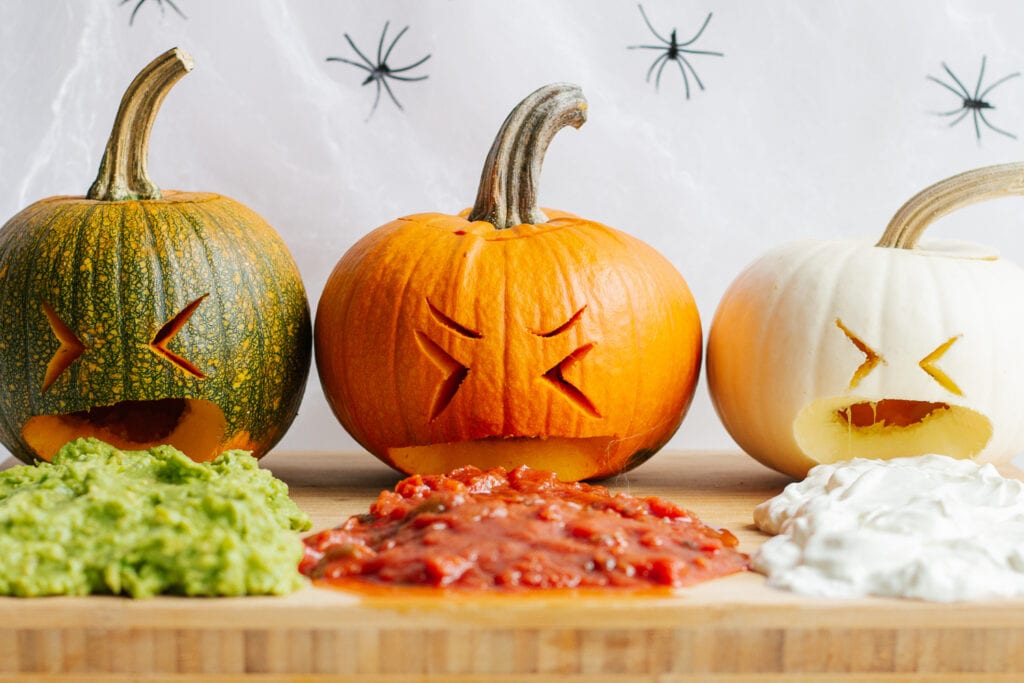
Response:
column 193, row 426
column 572, row 459
column 833, row 429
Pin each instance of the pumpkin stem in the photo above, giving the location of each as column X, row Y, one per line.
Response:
column 508, row 183
column 946, row 196
column 123, row 173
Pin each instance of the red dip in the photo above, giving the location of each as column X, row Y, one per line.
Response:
column 522, row 529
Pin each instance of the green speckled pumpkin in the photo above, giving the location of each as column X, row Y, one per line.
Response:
column 144, row 317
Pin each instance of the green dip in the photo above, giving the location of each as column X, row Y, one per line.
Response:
column 101, row 520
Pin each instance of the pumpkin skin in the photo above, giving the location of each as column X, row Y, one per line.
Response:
column 180, row 319
column 825, row 351
column 562, row 344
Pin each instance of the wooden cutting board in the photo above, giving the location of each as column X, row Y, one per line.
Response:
column 733, row 630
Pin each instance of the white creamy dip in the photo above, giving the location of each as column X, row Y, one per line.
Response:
column 928, row 527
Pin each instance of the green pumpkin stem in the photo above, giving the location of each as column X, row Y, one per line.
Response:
column 508, row 183
column 123, row 173
column 946, row 196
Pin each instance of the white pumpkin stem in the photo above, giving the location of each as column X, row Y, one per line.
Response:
column 123, row 174
column 946, row 196
column 508, row 183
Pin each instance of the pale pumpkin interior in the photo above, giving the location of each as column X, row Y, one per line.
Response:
column 835, row 429
column 570, row 459
column 193, row 426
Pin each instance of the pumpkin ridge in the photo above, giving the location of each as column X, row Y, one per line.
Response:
column 58, row 231
column 257, row 323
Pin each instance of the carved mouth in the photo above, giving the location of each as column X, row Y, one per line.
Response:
column 193, row 426
column 571, row 459
column 834, row 429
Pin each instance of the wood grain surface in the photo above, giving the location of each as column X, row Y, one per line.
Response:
column 733, row 630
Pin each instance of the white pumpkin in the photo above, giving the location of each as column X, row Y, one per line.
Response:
column 825, row 351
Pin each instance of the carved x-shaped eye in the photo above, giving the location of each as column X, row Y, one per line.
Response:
column 871, row 357
column 555, row 377
column 167, row 332
column 928, row 363
column 455, row 372
column 67, row 353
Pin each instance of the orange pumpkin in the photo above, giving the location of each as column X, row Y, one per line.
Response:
column 509, row 335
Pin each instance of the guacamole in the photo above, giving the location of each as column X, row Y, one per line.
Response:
column 140, row 523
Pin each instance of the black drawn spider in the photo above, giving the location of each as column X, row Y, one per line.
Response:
column 159, row 3
column 974, row 104
column 674, row 51
column 378, row 72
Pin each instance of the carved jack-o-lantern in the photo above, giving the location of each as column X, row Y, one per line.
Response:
column 511, row 336
column 825, row 351
column 142, row 317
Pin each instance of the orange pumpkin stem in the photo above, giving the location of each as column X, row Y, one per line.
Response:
column 123, row 174
column 946, row 196
column 508, row 183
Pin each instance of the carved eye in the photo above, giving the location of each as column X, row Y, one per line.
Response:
column 555, row 377
column 928, row 364
column 454, row 371
column 167, row 332
column 871, row 357
column 67, row 353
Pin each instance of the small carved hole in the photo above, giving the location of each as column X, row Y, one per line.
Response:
column 556, row 378
column 455, row 374
column 451, row 324
column 167, row 332
column 564, row 327
column 67, row 353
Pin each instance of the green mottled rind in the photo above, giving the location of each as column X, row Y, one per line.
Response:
column 142, row 523
column 115, row 272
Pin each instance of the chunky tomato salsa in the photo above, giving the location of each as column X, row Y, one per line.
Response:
column 521, row 529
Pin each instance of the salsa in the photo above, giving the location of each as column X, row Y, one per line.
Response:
column 519, row 529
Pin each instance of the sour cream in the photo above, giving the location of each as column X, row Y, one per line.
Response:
column 928, row 527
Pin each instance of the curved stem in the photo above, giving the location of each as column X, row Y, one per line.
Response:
column 123, row 173
column 508, row 183
column 948, row 195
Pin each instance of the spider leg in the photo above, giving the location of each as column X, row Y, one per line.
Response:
column 948, row 87
column 175, row 8
column 391, row 94
column 964, row 92
column 702, row 27
column 702, row 52
column 981, row 76
column 411, row 66
column 645, row 47
column 998, row 130
column 1001, row 80
column 651, row 28
column 392, row 45
column 380, row 45
column 977, row 130
column 684, row 63
column 349, row 61
column 358, row 51
column 135, row 11
column 686, row 81
column 407, row 78
column 959, row 110
column 964, row 112
column 657, row 79
column 653, row 65
column 376, row 100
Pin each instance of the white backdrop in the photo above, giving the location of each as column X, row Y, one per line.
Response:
column 818, row 121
